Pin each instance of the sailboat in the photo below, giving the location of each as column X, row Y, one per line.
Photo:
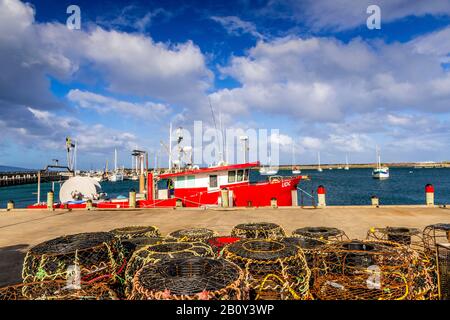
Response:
column 319, row 168
column 116, row 176
column 295, row 169
column 380, row 172
column 346, row 163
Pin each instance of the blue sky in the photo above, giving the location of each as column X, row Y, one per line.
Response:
column 311, row 69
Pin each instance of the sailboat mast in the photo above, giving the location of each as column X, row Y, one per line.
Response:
column 170, row 146
column 115, row 160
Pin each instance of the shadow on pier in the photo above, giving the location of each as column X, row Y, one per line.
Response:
column 11, row 261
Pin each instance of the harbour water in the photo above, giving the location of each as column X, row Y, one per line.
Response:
column 352, row 187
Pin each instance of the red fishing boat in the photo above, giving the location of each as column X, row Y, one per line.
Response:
column 226, row 186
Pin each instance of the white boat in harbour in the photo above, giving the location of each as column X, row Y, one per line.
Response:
column 267, row 171
column 380, row 172
column 116, row 175
column 346, row 163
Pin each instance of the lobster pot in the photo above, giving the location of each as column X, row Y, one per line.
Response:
column 273, row 269
column 192, row 234
column 411, row 237
column 57, row 290
column 136, row 232
column 260, row 230
column 195, row 278
column 434, row 234
column 367, row 270
column 89, row 257
column 167, row 250
column 443, row 256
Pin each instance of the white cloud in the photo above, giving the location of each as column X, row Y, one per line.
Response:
column 103, row 104
column 341, row 15
column 323, row 79
column 236, row 26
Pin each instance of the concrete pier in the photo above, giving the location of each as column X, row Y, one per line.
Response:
column 20, row 229
column 17, row 178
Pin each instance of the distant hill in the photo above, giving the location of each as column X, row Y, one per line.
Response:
column 13, row 169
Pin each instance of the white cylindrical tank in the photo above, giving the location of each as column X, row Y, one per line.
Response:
column 79, row 188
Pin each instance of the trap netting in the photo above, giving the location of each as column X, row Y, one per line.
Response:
column 136, row 232
column 192, row 234
column 260, row 230
column 425, row 285
column 195, row 278
column 218, row 243
column 368, row 270
column 434, row 234
column 167, row 250
column 273, row 269
column 133, row 244
column 310, row 239
column 93, row 256
column 443, row 262
column 325, row 234
column 57, row 290
column 411, row 237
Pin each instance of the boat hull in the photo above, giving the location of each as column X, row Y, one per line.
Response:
column 380, row 174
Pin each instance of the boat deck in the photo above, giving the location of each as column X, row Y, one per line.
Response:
column 20, row 229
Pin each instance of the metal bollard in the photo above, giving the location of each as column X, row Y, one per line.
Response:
column 132, row 199
column 50, row 200
column 429, row 194
column 294, row 195
column 10, row 205
column 274, row 203
column 375, row 201
column 225, row 198
column 321, row 192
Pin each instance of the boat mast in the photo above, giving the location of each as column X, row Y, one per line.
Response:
column 318, row 158
column 115, row 160
column 293, row 155
column 378, row 158
column 170, row 146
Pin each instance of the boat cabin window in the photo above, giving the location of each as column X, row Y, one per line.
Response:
column 180, row 182
column 190, row 181
column 246, row 175
column 240, row 175
column 231, row 176
column 213, row 181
